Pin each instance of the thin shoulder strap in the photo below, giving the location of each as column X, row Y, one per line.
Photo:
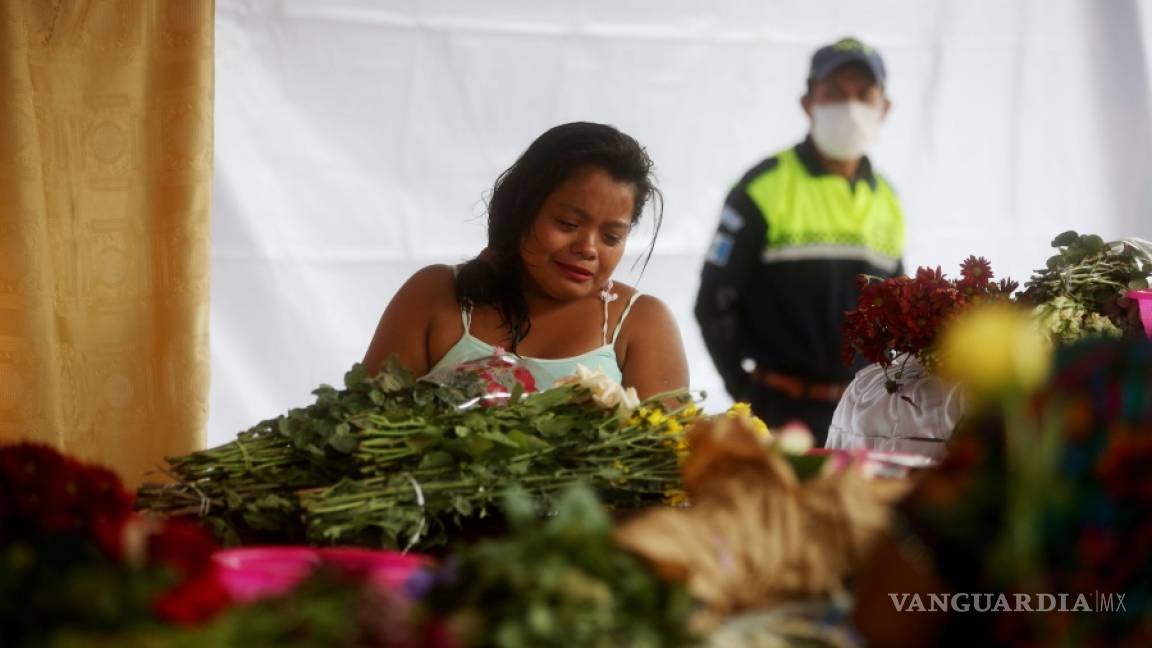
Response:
column 608, row 297
column 624, row 315
column 466, row 318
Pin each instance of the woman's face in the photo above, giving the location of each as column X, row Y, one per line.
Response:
column 579, row 234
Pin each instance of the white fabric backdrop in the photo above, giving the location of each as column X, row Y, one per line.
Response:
column 356, row 138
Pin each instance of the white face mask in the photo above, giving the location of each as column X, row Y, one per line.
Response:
column 844, row 130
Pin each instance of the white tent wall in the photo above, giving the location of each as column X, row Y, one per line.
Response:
column 355, row 140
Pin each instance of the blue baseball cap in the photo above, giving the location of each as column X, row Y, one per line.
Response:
column 846, row 50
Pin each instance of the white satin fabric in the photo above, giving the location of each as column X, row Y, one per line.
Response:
column 918, row 419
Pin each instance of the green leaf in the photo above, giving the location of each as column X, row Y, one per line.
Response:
column 500, row 438
column 1092, row 244
column 420, row 441
column 482, row 471
column 518, row 506
column 527, row 441
column 325, row 395
column 476, row 446
column 551, row 426
column 1065, row 238
column 1075, row 255
column 342, row 440
column 437, row 459
column 461, row 505
column 805, row 466
column 356, row 375
column 551, row 398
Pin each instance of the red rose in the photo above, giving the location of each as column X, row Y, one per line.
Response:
column 525, row 378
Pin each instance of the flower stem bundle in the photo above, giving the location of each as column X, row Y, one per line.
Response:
column 393, row 462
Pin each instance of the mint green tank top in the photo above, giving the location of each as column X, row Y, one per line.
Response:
column 545, row 370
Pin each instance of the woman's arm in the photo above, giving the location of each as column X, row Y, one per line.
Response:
column 404, row 327
column 653, row 353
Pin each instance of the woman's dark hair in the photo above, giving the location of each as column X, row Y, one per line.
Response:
column 496, row 278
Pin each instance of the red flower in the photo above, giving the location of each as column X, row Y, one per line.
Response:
column 525, row 378
column 184, row 547
column 30, row 469
column 977, row 269
column 51, row 493
column 903, row 315
column 193, row 601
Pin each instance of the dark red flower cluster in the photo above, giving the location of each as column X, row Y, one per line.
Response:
column 47, row 498
column 43, row 492
column 903, row 315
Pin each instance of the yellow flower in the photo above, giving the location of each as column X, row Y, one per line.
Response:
column 675, row 497
column 673, row 427
column 656, row 417
column 690, row 411
column 619, row 465
column 761, row 428
column 740, row 409
column 993, row 350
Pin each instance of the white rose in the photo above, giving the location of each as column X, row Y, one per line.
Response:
column 629, row 401
column 609, row 397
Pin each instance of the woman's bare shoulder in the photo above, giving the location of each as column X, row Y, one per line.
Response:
column 432, row 285
column 649, row 309
column 650, row 348
column 438, row 276
column 643, row 306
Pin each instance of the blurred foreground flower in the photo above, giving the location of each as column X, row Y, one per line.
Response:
column 759, row 533
column 995, row 349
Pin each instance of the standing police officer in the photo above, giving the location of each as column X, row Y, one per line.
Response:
column 794, row 234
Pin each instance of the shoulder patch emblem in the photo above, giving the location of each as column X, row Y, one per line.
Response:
column 731, row 219
column 721, row 250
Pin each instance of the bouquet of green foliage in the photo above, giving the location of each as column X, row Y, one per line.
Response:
column 1082, row 290
column 390, row 461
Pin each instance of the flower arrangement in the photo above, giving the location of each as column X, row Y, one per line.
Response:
column 394, row 462
column 1066, row 320
column 75, row 558
column 901, row 317
column 1082, row 290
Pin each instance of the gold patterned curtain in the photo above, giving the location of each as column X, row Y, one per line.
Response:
column 105, row 188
